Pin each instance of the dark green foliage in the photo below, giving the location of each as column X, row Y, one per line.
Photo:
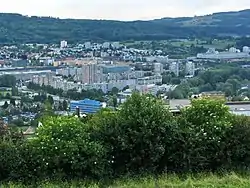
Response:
column 7, row 81
column 51, row 100
column 63, row 146
column 7, row 159
column 237, row 147
column 137, row 133
column 202, row 129
column 226, row 78
column 13, row 102
column 65, row 105
column 14, row 91
column 142, row 136
column 72, row 94
column 22, row 29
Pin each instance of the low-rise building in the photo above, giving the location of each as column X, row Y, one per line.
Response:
column 156, row 79
column 86, row 106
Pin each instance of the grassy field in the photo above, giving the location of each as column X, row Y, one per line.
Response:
column 218, row 44
column 199, row 181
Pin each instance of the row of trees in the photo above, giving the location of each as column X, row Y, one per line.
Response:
column 141, row 137
column 225, row 78
column 72, row 94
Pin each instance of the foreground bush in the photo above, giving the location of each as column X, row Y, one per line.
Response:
column 11, row 143
column 63, row 147
column 237, row 147
column 201, row 135
column 141, row 137
column 137, row 134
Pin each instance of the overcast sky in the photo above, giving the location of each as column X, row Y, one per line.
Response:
column 120, row 9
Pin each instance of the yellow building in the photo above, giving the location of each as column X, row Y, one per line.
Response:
column 214, row 95
column 56, row 64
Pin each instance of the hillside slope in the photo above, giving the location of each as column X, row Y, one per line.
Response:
column 15, row 28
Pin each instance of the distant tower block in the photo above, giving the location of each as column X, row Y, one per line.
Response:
column 63, row 44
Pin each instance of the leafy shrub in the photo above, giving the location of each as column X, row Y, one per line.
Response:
column 202, row 129
column 137, row 134
column 63, row 148
column 104, row 128
column 141, row 137
column 237, row 139
column 8, row 156
column 17, row 161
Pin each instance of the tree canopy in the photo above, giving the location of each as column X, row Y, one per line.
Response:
column 23, row 29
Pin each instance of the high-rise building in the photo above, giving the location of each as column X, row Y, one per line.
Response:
column 91, row 73
column 174, row 68
column 106, row 45
column 63, row 44
column 190, row 68
column 158, row 68
column 87, row 45
column 246, row 49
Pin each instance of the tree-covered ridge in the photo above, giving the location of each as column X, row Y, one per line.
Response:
column 16, row 28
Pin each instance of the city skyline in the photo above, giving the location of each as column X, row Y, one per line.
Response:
column 120, row 10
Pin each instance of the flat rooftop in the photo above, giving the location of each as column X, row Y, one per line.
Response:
column 234, row 106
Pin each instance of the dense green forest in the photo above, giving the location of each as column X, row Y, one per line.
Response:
column 16, row 28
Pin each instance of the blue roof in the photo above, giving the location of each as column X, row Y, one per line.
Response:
column 87, row 101
column 86, row 106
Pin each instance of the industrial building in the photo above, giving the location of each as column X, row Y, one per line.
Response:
column 232, row 53
column 86, row 106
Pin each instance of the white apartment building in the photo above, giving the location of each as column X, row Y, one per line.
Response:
column 57, row 82
column 69, row 85
column 233, row 53
column 174, row 68
column 91, row 73
column 157, row 79
column 158, row 59
column 158, row 68
column 233, row 50
column 41, row 80
column 136, row 74
column 246, row 49
column 63, row 72
column 63, row 44
column 106, row 45
column 120, row 84
column 190, row 68
column 151, row 88
column 87, row 45
column 35, row 79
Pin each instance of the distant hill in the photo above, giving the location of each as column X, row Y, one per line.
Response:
column 16, row 28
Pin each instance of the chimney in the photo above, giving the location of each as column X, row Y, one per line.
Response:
column 78, row 111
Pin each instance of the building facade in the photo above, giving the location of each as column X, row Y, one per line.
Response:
column 91, row 73
column 86, row 106
column 190, row 68
column 174, row 68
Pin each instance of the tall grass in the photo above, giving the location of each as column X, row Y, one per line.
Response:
column 167, row 181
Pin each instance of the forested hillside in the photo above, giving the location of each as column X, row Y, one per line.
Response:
column 16, row 28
